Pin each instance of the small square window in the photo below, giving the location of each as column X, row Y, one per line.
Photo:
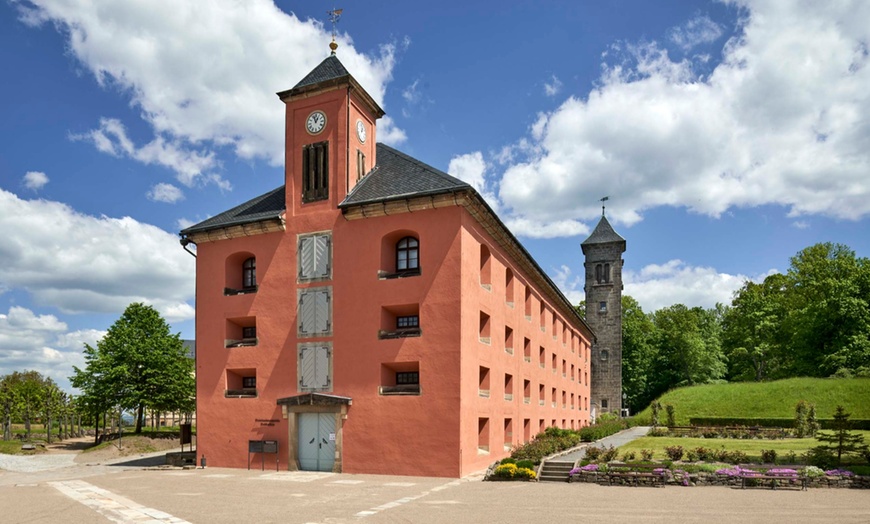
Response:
column 249, row 332
column 249, row 382
column 409, row 321
column 604, row 354
column 604, row 403
column 407, row 377
column 602, row 307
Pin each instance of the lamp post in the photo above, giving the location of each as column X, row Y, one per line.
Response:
column 624, row 407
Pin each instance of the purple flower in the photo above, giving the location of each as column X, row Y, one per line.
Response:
column 782, row 472
column 840, row 472
column 589, row 467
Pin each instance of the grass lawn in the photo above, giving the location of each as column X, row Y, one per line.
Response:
column 767, row 399
column 752, row 447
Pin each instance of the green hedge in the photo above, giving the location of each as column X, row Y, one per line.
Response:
column 826, row 423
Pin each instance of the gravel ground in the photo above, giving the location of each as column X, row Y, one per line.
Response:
column 33, row 463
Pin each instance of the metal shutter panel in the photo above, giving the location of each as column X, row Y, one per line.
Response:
column 321, row 307
column 320, row 262
column 306, row 257
column 307, row 372
column 307, row 313
column 321, row 367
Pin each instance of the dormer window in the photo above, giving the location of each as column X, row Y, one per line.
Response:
column 249, row 273
column 315, row 172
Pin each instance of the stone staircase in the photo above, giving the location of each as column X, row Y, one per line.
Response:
column 555, row 471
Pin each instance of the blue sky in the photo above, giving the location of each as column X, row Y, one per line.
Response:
column 728, row 135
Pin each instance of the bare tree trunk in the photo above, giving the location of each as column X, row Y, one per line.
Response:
column 96, row 429
column 140, row 416
column 46, row 424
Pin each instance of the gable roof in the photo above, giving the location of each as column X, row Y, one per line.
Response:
column 603, row 234
column 396, row 176
column 264, row 207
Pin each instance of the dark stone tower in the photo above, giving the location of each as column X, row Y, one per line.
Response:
column 603, row 251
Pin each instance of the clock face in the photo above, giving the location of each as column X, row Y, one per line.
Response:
column 361, row 131
column 316, row 122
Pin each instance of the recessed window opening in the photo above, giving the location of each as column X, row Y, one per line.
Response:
column 408, row 321
column 485, row 267
column 483, row 382
column 508, row 387
column 249, row 332
column 249, row 273
column 527, row 350
column 509, row 286
column 249, row 382
column 408, row 254
column 604, row 354
column 602, row 307
column 542, row 357
column 484, row 328
column 483, row 435
column 542, row 398
column 508, row 340
column 360, row 165
column 528, row 302
column 604, row 403
column 241, row 332
column 407, row 377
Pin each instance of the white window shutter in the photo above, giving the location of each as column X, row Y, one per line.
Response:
column 306, row 257
column 320, row 267
column 321, row 367
column 321, row 307
column 307, row 313
column 308, row 361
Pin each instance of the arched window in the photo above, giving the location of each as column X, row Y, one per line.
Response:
column 249, row 273
column 407, row 254
column 598, row 273
column 607, row 272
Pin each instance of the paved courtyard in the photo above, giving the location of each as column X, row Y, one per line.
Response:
column 128, row 493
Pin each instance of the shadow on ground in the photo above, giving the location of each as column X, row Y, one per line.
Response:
column 142, row 462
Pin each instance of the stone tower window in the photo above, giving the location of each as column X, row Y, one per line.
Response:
column 602, row 307
column 604, row 354
column 604, row 403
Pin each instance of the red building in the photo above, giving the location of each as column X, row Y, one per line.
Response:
column 374, row 315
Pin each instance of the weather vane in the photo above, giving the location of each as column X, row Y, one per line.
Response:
column 603, row 200
column 334, row 17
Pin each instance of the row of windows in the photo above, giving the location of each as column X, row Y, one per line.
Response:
column 485, row 391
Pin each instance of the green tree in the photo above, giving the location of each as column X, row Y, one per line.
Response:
column 27, row 391
column 137, row 365
column 688, row 346
column 752, row 330
column 842, row 441
column 829, row 297
column 638, row 355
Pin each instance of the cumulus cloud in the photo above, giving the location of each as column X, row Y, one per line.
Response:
column 165, row 193
column 203, row 74
column 553, row 86
column 80, row 263
column 42, row 343
column 35, row 180
column 661, row 285
column 471, row 168
column 388, row 133
column 782, row 119
column 698, row 30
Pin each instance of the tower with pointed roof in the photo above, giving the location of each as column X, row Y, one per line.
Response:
column 603, row 251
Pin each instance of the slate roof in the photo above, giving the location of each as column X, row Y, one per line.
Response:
column 396, row 176
column 329, row 69
column 263, row 207
column 603, row 234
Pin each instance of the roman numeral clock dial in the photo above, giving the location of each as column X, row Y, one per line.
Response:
column 316, row 122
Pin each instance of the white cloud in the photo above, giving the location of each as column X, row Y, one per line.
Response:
column 553, row 87
column 471, row 168
column 189, row 166
column 781, row 120
column 570, row 285
column 699, row 30
column 184, row 223
column 42, row 343
column 525, row 227
column 388, row 133
column 675, row 282
column 35, row 180
column 80, row 263
column 165, row 193
column 203, row 73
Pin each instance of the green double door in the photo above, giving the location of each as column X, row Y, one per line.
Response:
column 316, row 441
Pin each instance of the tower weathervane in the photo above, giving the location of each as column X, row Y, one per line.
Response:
column 334, row 16
column 603, row 200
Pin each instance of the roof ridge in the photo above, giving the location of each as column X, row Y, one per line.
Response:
column 434, row 170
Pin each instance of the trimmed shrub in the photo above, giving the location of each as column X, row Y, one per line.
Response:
column 768, row 456
column 528, row 464
column 646, row 454
column 524, row 473
column 505, row 471
column 825, row 423
column 674, row 453
column 628, row 456
column 609, row 454
column 593, row 453
column 508, row 460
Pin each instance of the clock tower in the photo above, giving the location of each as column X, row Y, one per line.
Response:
column 603, row 251
column 330, row 130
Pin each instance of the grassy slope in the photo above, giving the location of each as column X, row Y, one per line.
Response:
column 767, row 399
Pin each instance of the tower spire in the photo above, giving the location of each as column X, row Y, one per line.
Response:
column 334, row 17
